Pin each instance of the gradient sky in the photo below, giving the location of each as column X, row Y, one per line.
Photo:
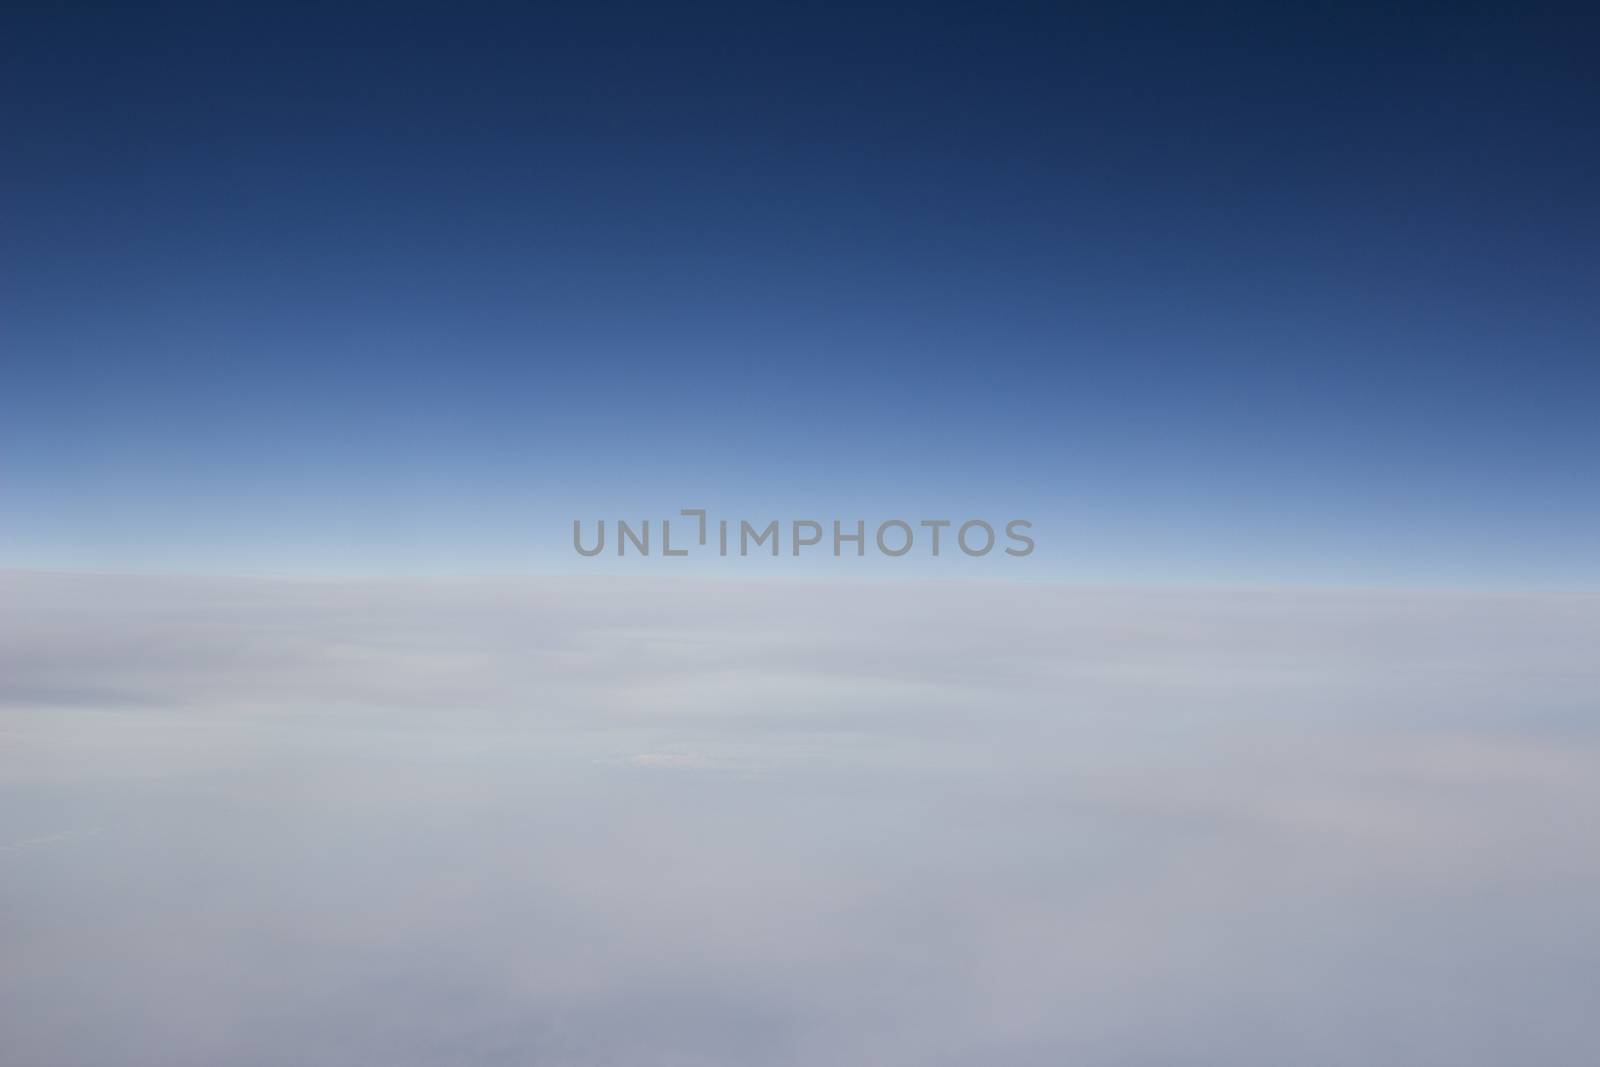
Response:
column 1302, row 299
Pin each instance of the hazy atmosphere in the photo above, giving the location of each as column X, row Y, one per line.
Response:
column 620, row 821
column 1261, row 343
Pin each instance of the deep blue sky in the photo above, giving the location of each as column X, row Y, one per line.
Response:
column 1244, row 298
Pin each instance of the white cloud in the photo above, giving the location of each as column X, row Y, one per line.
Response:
column 412, row 822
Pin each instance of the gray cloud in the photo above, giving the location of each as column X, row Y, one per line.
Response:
column 628, row 821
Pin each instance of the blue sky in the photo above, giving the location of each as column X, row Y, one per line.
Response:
column 1295, row 300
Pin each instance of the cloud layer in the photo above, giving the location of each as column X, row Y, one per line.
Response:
column 682, row 822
